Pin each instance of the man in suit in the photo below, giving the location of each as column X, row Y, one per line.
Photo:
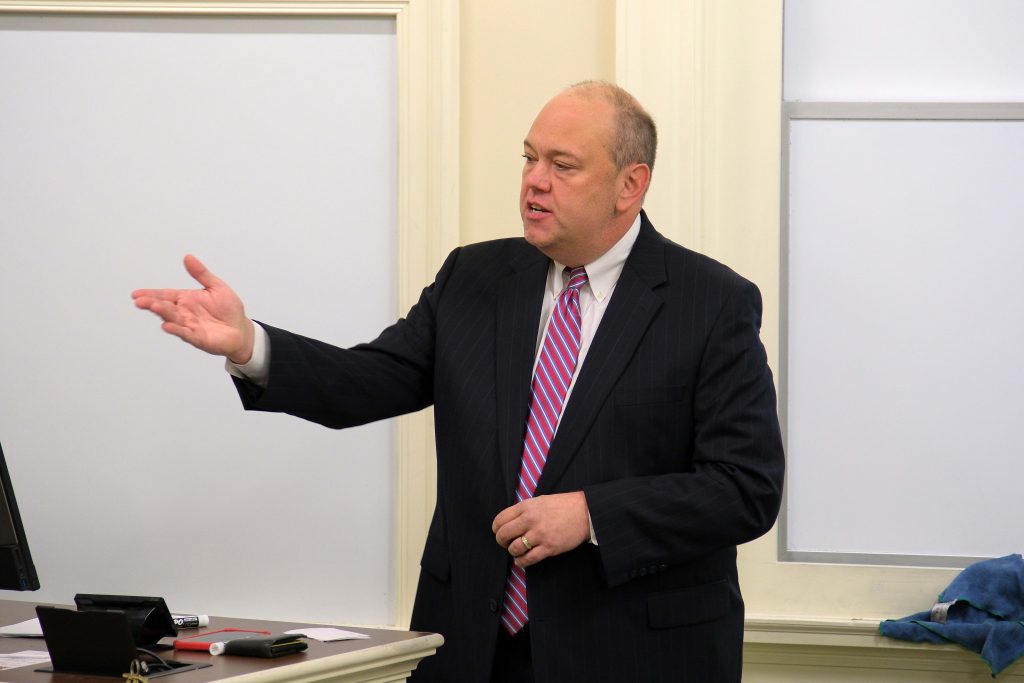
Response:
column 605, row 418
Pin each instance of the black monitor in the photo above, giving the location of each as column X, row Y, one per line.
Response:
column 17, row 573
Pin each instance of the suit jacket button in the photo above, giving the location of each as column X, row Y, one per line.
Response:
column 662, row 567
column 493, row 605
column 643, row 571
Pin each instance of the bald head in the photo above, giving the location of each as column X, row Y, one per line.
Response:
column 635, row 138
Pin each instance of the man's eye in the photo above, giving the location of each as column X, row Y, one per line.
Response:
column 528, row 158
column 561, row 167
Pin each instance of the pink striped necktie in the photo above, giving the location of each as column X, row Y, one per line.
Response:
column 555, row 368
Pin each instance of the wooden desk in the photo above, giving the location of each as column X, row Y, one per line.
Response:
column 385, row 657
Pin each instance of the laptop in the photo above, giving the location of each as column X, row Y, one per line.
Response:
column 16, row 569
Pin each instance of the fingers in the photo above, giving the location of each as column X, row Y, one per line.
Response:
column 518, row 549
column 512, row 522
column 510, row 531
column 174, row 322
column 144, row 298
column 180, row 331
column 177, row 321
column 503, row 518
column 530, row 552
column 169, row 311
column 521, row 545
column 528, row 548
column 211, row 318
column 535, row 529
column 200, row 273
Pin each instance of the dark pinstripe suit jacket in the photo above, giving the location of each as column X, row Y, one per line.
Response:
column 671, row 432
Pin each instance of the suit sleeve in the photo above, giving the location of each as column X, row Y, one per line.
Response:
column 338, row 388
column 733, row 490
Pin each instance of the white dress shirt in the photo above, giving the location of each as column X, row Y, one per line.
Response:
column 602, row 276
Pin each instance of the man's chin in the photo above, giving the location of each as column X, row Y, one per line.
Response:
column 542, row 242
column 536, row 236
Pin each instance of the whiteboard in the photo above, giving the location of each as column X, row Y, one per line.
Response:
column 903, row 50
column 903, row 338
column 268, row 147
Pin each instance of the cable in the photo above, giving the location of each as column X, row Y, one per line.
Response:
column 160, row 664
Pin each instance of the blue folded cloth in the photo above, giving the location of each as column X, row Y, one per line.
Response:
column 982, row 610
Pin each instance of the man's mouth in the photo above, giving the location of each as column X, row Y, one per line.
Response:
column 536, row 208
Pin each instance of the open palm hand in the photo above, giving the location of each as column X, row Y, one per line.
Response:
column 212, row 318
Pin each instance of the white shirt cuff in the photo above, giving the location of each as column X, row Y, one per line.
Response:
column 257, row 370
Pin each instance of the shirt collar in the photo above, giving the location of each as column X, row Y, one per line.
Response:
column 602, row 273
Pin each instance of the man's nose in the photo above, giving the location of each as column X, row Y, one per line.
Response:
column 538, row 176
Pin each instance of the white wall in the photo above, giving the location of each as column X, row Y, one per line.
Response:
column 268, row 148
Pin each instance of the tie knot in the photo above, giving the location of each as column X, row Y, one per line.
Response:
column 577, row 277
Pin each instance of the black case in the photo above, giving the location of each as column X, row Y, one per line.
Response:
column 148, row 617
column 274, row 645
column 94, row 643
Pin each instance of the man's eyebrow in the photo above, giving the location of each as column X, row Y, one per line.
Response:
column 553, row 152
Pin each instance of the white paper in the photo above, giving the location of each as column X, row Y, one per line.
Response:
column 24, row 629
column 13, row 660
column 326, row 634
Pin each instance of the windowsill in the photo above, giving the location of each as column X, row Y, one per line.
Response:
column 816, row 631
column 832, row 644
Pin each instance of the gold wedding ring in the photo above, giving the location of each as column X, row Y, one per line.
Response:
column 526, row 544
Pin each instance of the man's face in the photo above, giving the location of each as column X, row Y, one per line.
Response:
column 570, row 184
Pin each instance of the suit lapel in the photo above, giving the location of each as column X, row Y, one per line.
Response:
column 519, row 300
column 624, row 324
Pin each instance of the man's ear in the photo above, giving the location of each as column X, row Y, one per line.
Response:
column 635, row 180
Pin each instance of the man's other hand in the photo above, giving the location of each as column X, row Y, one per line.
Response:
column 551, row 525
column 212, row 318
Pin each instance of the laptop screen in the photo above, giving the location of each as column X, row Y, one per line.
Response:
column 16, row 569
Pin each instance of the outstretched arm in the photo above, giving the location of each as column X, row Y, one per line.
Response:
column 212, row 318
